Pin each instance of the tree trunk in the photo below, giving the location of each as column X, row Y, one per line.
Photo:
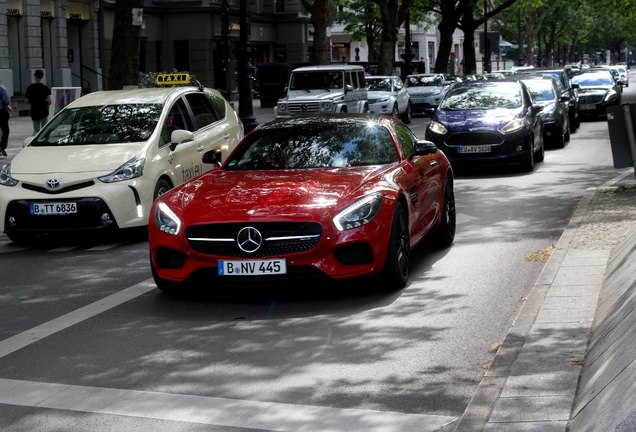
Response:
column 322, row 14
column 446, row 29
column 469, row 25
column 124, row 65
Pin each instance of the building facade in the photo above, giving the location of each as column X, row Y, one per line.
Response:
column 71, row 40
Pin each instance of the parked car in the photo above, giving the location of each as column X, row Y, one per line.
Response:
column 101, row 161
column 597, row 91
column 317, row 198
column 323, row 90
column 425, row 91
column 488, row 121
column 567, row 87
column 556, row 121
column 387, row 95
column 622, row 73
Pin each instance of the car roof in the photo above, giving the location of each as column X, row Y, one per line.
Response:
column 133, row 96
column 346, row 119
column 329, row 68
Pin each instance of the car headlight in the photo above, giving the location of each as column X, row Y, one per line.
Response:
column 548, row 112
column 132, row 169
column 326, row 106
column 359, row 213
column 282, row 107
column 512, row 126
column 166, row 220
column 5, row 176
column 610, row 95
column 437, row 127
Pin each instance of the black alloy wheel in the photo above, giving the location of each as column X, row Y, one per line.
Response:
column 398, row 265
column 445, row 233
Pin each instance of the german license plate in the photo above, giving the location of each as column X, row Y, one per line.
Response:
column 252, row 267
column 587, row 107
column 47, row 209
column 475, row 149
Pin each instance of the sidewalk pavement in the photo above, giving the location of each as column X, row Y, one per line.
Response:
column 532, row 383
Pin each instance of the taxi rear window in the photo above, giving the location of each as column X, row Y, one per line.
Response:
column 108, row 124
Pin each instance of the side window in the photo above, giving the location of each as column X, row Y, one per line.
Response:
column 348, row 79
column 177, row 118
column 361, row 79
column 406, row 140
column 218, row 104
column 202, row 109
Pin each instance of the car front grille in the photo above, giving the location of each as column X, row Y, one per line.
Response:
column 70, row 188
column 474, row 138
column 305, row 107
column 279, row 238
column 591, row 99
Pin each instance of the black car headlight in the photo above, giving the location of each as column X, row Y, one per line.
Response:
column 166, row 220
column 132, row 169
column 359, row 213
column 611, row 95
column 512, row 126
column 5, row 176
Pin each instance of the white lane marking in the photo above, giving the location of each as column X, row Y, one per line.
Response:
column 105, row 247
column 212, row 410
column 64, row 248
column 21, row 340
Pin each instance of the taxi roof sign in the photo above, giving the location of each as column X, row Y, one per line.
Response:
column 173, row 78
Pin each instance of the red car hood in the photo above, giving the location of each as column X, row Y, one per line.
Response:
column 261, row 195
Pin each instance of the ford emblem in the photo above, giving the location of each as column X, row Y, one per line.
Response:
column 52, row 184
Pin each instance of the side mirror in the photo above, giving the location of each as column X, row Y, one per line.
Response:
column 212, row 157
column 180, row 136
column 348, row 88
column 536, row 109
column 424, row 147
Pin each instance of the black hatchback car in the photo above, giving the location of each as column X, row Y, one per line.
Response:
column 568, row 89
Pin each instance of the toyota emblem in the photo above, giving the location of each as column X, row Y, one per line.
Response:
column 249, row 239
column 52, row 184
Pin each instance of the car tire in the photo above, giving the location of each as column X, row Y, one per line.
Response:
column 559, row 140
column 408, row 115
column 445, row 233
column 539, row 155
column 395, row 112
column 161, row 188
column 397, row 266
column 527, row 163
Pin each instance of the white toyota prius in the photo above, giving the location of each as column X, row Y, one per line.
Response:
column 101, row 161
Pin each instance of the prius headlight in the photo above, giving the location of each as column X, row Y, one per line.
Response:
column 166, row 220
column 5, row 176
column 512, row 126
column 359, row 213
column 132, row 169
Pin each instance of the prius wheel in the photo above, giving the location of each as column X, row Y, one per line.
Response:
column 161, row 188
column 445, row 233
column 397, row 266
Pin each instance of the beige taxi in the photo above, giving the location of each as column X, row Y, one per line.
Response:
column 101, row 161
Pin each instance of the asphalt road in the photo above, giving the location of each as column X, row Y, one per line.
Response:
column 88, row 343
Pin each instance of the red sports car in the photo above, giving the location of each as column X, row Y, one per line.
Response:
column 337, row 197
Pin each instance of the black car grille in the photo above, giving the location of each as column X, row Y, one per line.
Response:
column 474, row 138
column 278, row 238
column 71, row 188
column 88, row 216
column 591, row 99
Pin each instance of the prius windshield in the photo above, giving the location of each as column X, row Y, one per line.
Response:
column 108, row 124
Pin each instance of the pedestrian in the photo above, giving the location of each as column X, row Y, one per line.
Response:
column 38, row 95
column 5, row 113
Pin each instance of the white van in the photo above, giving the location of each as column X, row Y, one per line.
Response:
column 322, row 90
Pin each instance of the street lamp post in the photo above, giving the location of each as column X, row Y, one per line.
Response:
column 244, row 72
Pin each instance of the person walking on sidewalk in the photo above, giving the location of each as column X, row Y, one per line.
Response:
column 5, row 113
column 38, row 95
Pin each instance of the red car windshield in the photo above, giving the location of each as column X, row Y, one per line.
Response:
column 315, row 146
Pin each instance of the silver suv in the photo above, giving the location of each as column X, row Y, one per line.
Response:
column 322, row 90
